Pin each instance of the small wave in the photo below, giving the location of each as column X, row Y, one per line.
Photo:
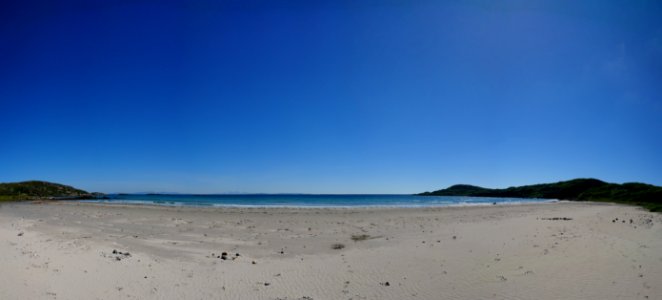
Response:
column 414, row 203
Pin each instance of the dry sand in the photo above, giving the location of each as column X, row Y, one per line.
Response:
column 65, row 251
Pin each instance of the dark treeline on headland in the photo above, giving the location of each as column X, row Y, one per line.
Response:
column 39, row 190
column 646, row 195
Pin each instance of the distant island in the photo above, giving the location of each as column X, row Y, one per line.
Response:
column 582, row 189
column 42, row 190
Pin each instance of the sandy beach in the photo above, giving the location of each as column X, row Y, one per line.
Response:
column 534, row 251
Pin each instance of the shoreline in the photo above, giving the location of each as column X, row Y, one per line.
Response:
column 560, row 250
column 285, row 206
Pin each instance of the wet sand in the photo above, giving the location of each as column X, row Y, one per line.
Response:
column 532, row 251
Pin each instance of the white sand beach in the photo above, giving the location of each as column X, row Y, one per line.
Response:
column 534, row 251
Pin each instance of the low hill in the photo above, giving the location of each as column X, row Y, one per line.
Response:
column 583, row 189
column 33, row 190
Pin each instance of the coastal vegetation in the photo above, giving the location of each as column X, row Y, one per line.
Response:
column 582, row 189
column 38, row 190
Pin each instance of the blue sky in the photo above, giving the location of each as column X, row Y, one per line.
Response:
column 329, row 96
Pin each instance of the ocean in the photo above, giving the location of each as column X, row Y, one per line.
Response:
column 307, row 200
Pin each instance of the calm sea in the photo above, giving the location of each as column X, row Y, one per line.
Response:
column 306, row 200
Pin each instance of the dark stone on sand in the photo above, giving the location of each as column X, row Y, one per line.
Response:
column 114, row 251
column 267, row 284
column 253, row 262
column 127, row 254
column 20, row 234
column 224, row 253
column 454, row 237
column 237, row 255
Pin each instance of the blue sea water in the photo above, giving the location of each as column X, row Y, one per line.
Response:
column 307, row 200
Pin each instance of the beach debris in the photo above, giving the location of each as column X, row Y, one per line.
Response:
column 119, row 255
column 225, row 256
column 557, row 219
column 360, row 237
column 337, row 246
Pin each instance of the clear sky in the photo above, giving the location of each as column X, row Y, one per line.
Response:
column 329, row 96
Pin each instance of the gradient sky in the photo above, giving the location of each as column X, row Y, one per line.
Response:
column 329, row 96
